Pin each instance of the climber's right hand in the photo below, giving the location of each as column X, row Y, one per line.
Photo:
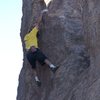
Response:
column 44, row 11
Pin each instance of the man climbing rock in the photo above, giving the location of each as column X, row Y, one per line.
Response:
column 33, row 53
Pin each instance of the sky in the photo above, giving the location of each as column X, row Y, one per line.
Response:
column 11, row 56
column 47, row 1
column 10, row 47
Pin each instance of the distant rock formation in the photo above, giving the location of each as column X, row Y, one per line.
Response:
column 70, row 37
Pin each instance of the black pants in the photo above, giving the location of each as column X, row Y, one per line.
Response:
column 35, row 56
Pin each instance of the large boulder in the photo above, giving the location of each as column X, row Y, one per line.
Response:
column 69, row 36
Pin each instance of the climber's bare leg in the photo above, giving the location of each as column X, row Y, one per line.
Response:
column 36, row 77
column 47, row 62
column 53, row 67
column 34, row 72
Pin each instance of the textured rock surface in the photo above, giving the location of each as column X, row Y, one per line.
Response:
column 70, row 37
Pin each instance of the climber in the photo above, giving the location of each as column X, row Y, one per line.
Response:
column 33, row 53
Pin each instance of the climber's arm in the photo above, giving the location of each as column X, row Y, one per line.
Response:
column 40, row 18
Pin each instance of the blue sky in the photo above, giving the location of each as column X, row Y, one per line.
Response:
column 10, row 47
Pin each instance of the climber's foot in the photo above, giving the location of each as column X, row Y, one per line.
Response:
column 54, row 69
column 37, row 80
column 38, row 83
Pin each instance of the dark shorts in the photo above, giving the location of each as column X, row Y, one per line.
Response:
column 35, row 56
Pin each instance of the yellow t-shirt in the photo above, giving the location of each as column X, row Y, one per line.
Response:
column 31, row 39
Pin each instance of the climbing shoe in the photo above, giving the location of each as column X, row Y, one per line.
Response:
column 38, row 83
column 54, row 69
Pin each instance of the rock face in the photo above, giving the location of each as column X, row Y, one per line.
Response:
column 70, row 37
